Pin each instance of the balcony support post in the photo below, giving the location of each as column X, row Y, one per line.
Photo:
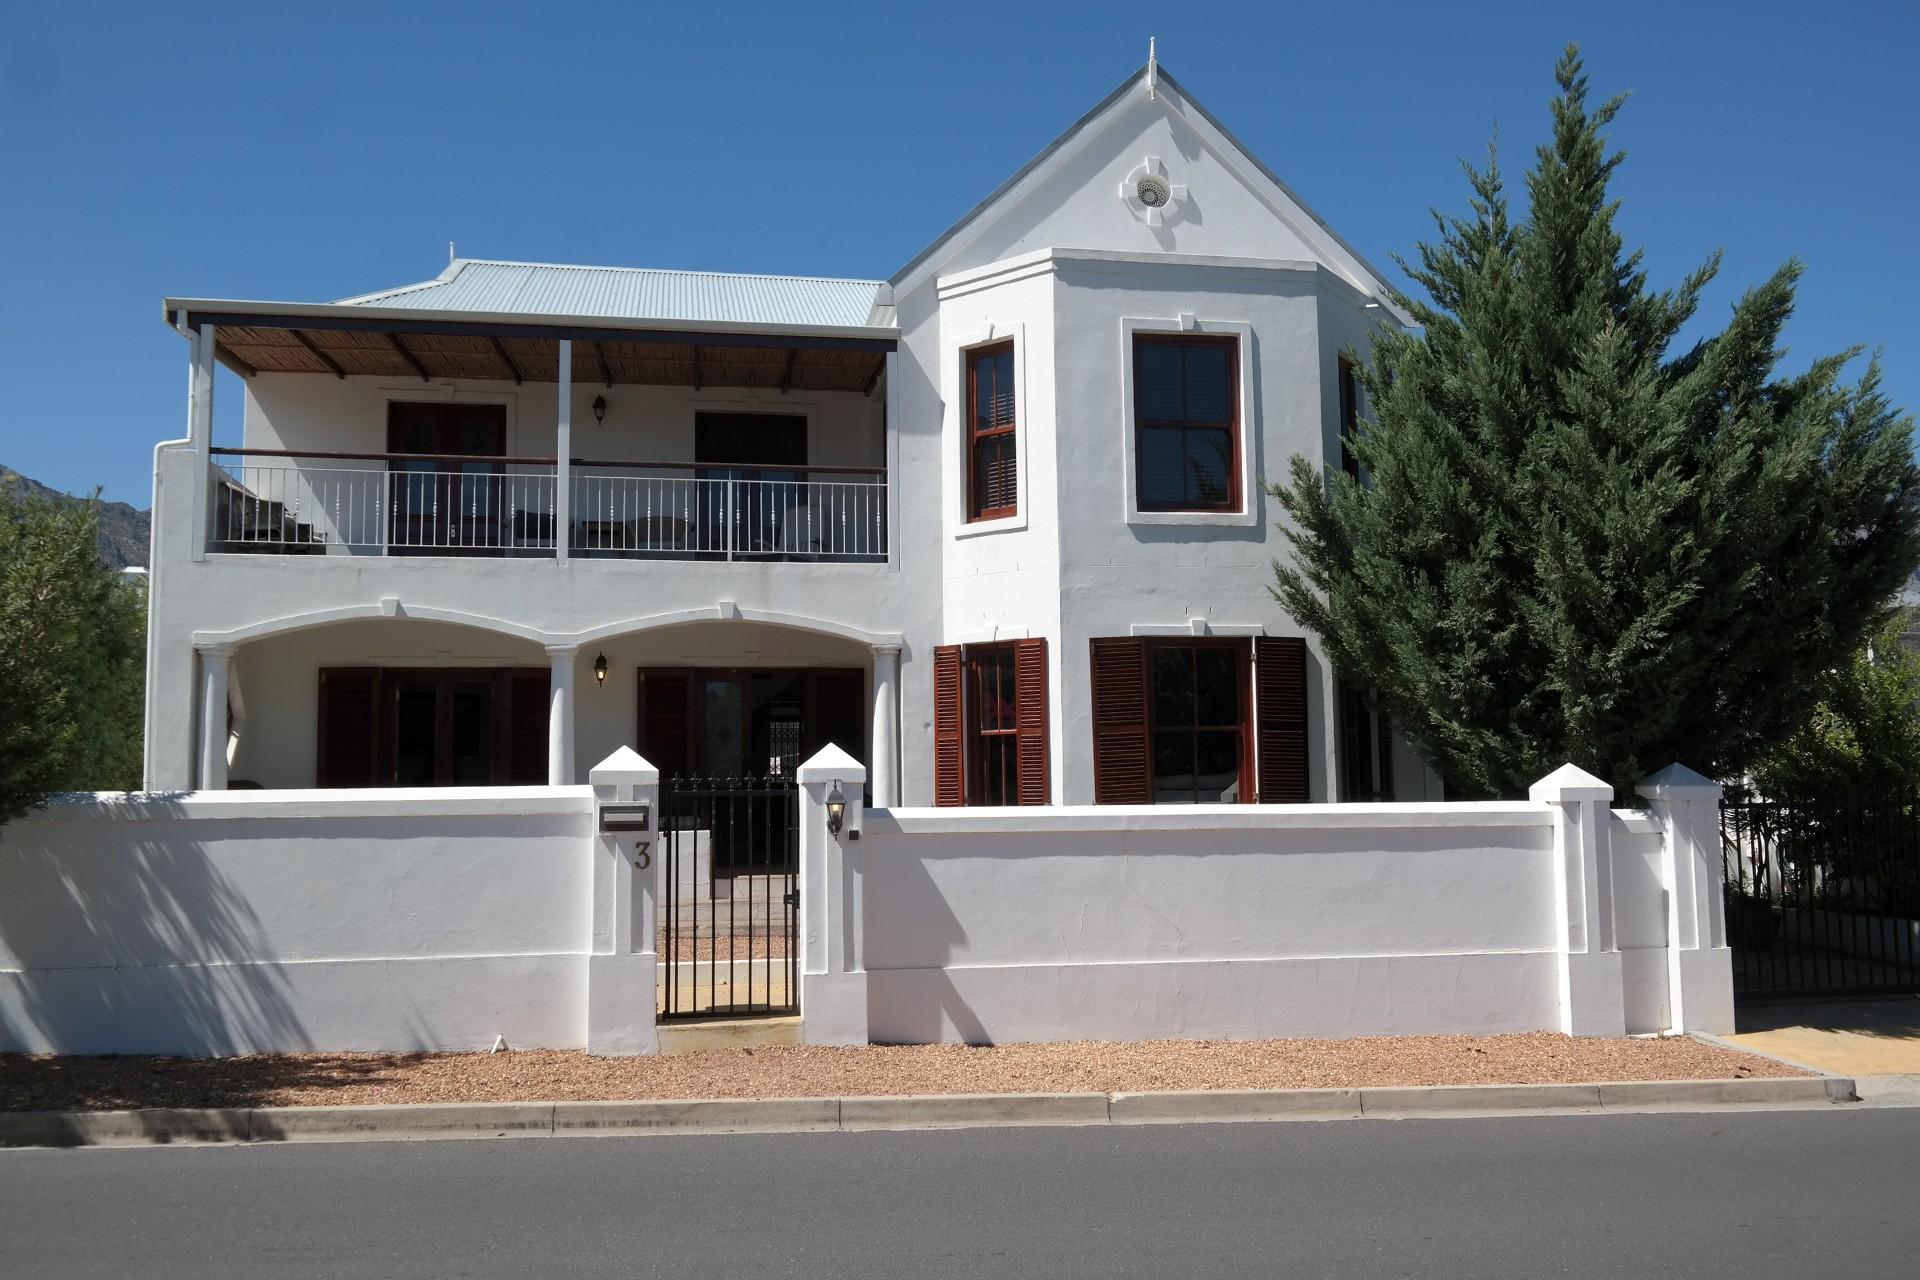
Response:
column 560, row 714
column 216, row 667
column 563, row 470
column 200, row 428
column 886, row 726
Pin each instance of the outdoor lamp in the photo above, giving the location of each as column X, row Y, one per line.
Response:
column 600, row 409
column 836, row 809
column 600, row 670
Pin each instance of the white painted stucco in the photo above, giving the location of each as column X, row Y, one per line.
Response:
column 247, row 921
column 1059, row 265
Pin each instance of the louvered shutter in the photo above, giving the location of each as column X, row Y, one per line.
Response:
column 528, row 707
column 666, row 719
column 347, row 742
column 1122, row 759
column 949, row 753
column 839, row 713
column 1280, row 718
column 1030, row 719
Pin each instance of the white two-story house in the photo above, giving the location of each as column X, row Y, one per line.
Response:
column 995, row 525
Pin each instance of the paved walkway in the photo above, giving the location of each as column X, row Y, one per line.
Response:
column 1875, row 1041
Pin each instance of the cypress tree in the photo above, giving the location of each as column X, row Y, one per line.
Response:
column 1572, row 541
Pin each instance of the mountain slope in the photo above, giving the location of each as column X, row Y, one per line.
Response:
column 124, row 530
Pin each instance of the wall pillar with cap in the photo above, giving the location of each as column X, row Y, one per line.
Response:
column 623, row 964
column 1591, row 987
column 833, row 978
column 1699, row 961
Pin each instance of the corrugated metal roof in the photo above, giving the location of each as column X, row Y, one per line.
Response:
column 633, row 293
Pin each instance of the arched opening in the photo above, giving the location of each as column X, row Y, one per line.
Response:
column 389, row 701
column 732, row 697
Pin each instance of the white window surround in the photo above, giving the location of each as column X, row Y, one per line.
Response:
column 1196, row 627
column 1248, row 419
column 957, row 453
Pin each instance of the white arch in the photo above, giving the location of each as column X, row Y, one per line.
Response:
column 484, row 622
column 734, row 613
column 358, row 612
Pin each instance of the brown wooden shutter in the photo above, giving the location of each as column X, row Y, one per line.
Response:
column 1280, row 718
column 949, row 749
column 527, row 710
column 666, row 719
column 348, row 697
column 1030, row 720
column 1122, row 756
column 839, row 713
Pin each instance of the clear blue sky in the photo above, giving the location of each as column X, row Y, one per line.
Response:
column 310, row 152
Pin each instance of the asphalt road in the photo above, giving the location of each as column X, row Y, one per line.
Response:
column 1755, row 1194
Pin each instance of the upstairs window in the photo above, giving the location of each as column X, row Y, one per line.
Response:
column 992, row 464
column 1186, row 422
column 1349, row 418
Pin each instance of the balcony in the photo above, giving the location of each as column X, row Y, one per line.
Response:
column 272, row 502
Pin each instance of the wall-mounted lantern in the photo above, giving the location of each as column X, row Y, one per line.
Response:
column 600, row 670
column 600, row 410
column 836, row 810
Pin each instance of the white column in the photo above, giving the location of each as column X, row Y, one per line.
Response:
column 560, row 714
column 216, row 666
column 563, row 449
column 833, row 978
column 1591, row 994
column 200, row 429
column 622, row 965
column 886, row 726
column 1699, row 962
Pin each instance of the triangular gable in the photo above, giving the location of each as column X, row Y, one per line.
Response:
column 1066, row 170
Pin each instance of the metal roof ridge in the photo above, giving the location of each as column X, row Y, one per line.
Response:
column 669, row 271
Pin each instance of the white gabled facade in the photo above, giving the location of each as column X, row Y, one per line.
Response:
column 767, row 492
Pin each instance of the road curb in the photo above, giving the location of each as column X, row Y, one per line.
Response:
column 419, row 1121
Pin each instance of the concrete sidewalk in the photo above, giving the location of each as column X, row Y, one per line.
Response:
column 1876, row 1042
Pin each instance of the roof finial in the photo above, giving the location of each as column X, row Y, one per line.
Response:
column 1153, row 67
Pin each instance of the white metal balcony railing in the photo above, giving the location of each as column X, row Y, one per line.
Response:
column 390, row 504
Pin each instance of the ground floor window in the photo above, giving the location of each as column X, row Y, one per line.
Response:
column 1200, row 720
column 432, row 727
column 990, row 723
column 1366, row 747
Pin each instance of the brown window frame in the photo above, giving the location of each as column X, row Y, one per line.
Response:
column 975, row 435
column 1242, row 649
column 1232, row 424
column 974, row 735
column 383, row 723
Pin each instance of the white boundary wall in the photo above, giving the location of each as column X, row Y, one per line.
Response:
column 237, row 922
column 1238, row 922
column 233, row 921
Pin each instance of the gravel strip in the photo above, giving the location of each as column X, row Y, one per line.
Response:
column 53, row 1083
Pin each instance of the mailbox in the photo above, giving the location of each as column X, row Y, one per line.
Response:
column 626, row 817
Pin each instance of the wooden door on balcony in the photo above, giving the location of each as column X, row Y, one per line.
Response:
column 757, row 465
column 440, row 506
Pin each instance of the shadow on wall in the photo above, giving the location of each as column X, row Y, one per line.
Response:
column 922, row 1016
column 119, row 933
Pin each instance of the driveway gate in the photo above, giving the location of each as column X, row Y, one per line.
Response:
column 1822, row 899
column 729, row 898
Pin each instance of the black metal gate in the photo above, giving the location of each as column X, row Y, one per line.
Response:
column 729, row 898
column 1822, row 899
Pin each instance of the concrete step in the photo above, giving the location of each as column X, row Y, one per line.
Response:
column 731, row 1033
